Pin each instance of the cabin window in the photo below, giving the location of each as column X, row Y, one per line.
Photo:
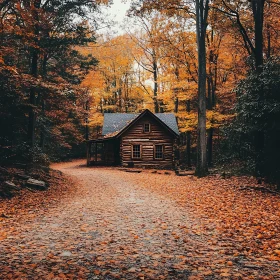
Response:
column 147, row 127
column 136, row 151
column 158, row 151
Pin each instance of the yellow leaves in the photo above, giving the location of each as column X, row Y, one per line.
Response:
column 216, row 119
column 187, row 121
column 96, row 119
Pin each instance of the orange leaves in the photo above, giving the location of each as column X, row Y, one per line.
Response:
column 3, row 235
column 84, row 228
column 152, row 226
column 277, row 252
column 230, row 263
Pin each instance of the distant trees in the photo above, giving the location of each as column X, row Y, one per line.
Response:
column 149, row 57
column 112, row 84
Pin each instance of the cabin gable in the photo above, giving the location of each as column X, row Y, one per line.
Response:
column 154, row 142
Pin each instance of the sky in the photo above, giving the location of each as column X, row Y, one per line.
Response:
column 117, row 13
column 118, row 10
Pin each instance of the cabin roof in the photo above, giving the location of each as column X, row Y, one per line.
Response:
column 115, row 123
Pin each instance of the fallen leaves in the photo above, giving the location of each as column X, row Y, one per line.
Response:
column 119, row 225
column 3, row 235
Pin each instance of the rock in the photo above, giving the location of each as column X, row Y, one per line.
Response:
column 36, row 184
column 10, row 186
column 66, row 254
column 23, row 176
column 132, row 269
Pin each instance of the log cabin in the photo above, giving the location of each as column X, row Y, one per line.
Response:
column 143, row 140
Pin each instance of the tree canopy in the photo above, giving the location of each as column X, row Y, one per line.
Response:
column 58, row 76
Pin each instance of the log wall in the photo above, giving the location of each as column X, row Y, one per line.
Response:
column 158, row 135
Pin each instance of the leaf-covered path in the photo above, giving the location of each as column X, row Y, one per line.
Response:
column 118, row 225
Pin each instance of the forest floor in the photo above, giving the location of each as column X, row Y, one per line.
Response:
column 104, row 223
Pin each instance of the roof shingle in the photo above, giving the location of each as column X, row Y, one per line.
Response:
column 116, row 122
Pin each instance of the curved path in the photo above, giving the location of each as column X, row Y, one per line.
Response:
column 111, row 226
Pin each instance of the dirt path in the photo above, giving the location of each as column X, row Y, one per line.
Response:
column 112, row 226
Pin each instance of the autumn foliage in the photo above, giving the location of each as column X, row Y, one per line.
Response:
column 215, row 64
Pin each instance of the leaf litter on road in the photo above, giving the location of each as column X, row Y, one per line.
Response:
column 103, row 223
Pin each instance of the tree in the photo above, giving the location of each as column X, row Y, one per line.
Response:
column 202, row 9
column 147, row 39
column 250, row 117
column 37, row 46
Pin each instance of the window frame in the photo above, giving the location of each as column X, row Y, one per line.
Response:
column 156, row 158
column 132, row 155
column 144, row 131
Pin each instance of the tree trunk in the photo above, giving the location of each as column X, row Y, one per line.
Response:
column 87, row 115
column 155, row 74
column 210, row 146
column 201, row 25
column 42, row 133
column 258, row 11
column 31, row 119
column 34, row 73
column 188, row 145
column 211, row 88
column 258, row 7
column 268, row 52
column 176, row 105
column 188, row 140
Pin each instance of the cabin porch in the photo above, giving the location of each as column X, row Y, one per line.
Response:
column 103, row 152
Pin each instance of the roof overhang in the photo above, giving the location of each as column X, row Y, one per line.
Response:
column 147, row 112
column 128, row 126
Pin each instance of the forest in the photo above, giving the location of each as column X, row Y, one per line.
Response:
column 215, row 64
column 212, row 64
